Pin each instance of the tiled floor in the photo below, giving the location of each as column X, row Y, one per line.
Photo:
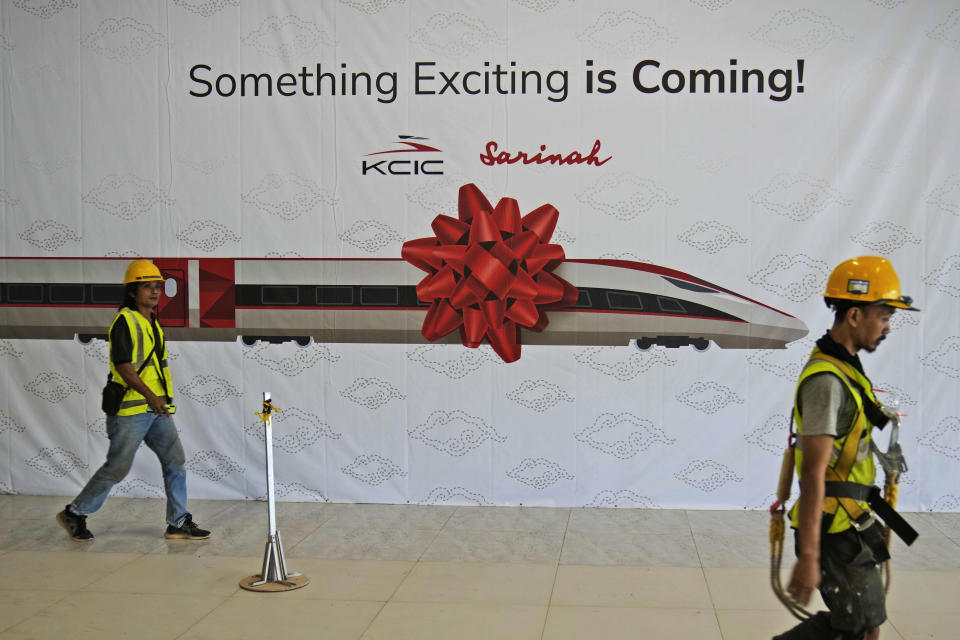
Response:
column 397, row 572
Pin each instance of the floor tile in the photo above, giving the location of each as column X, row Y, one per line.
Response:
column 105, row 616
column 611, row 623
column 749, row 588
column 729, row 523
column 509, row 519
column 926, row 626
column 57, row 571
column 619, row 548
column 442, row 621
column 734, row 550
column 387, row 516
column 280, row 617
column 765, row 623
column 361, row 543
column 17, row 606
column 929, row 551
column 468, row 545
column 670, row 587
column 478, row 583
column 632, row 521
column 178, row 575
column 924, row 591
column 374, row 580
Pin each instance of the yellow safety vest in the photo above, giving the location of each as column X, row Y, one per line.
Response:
column 850, row 460
column 141, row 335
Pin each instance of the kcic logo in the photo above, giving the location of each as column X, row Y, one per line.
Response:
column 405, row 167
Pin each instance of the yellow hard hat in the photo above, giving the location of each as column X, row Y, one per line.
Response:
column 141, row 271
column 868, row 280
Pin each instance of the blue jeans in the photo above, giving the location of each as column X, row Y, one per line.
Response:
column 126, row 433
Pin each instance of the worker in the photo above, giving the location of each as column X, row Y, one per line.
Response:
column 140, row 410
column 839, row 543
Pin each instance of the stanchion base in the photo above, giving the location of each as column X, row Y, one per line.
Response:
column 255, row 583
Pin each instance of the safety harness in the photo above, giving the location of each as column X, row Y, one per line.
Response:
column 839, row 491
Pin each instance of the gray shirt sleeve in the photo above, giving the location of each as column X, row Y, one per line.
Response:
column 826, row 407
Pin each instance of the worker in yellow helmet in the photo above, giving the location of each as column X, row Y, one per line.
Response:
column 839, row 544
column 139, row 411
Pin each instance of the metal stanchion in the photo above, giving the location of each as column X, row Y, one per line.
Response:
column 274, row 575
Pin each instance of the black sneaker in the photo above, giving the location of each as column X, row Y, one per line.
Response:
column 75, row 525
column 187, row 531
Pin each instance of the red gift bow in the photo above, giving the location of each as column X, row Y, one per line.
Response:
column 489, row 272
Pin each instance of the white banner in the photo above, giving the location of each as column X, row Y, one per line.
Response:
column 752, row 145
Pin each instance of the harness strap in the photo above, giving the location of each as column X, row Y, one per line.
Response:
column 872, row 496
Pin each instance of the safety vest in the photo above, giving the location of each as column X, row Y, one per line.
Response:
column 850, row 460
column 141, row 335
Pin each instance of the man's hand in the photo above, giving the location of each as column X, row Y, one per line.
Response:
column 158, row 406
column 805, row 578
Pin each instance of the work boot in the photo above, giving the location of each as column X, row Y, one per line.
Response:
column 75, row 525
column 186, row 531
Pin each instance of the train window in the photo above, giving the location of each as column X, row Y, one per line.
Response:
column 379, row 296
column 273, row 294
column 106, row 293
column 26, row 293
column 170, row 287
column 670, row 305
column 66, row 293
column 689, row 286
column 334, row 296
column 626, row 300
column 583, row 301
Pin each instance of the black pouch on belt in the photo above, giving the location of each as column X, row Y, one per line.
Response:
column 113, row 392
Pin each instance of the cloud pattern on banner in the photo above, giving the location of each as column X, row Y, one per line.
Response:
column 454, row 495
column 293, row 430
column 125, row 40
column 373, row 469
column 708, row 396
column 622, row 498
column 213, row 465
column 772, row 435
column 946, row 277
column 625, row 33
column 206, row 8
column 454, row 432
column 288, row 197
column 945, row 358
column 455, row 35
column 539, row 473
column 207, row 235
column 707, row 475
column 622, row 435
column 127, row 197
column 711, row 236
column 944, row 438
column 296, row 360
column 52, row 386
column 56, row 462
column 796, row 277
column 539, row 395
column 209, row 390
column 883, row 238
column 625, row 196
column 49, row 235
column 301, row 492
column 798, row 197
column 948, row 31
column 371, row 393
column 370, row 235
column 287, row 37
column 45, row 9
column 801, row 32
column 371, row 7
column 453, row 361
column 622, row 363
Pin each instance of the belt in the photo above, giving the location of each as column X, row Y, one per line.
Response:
column 872, row 496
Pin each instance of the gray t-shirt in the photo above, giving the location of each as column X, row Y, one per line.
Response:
column 826, row 406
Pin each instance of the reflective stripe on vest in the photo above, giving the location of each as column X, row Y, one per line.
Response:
column 850, row 460
column 141, row 335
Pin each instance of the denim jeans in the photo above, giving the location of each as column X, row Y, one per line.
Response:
column 126, row 433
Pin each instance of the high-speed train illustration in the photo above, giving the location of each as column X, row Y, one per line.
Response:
column 374, row 300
